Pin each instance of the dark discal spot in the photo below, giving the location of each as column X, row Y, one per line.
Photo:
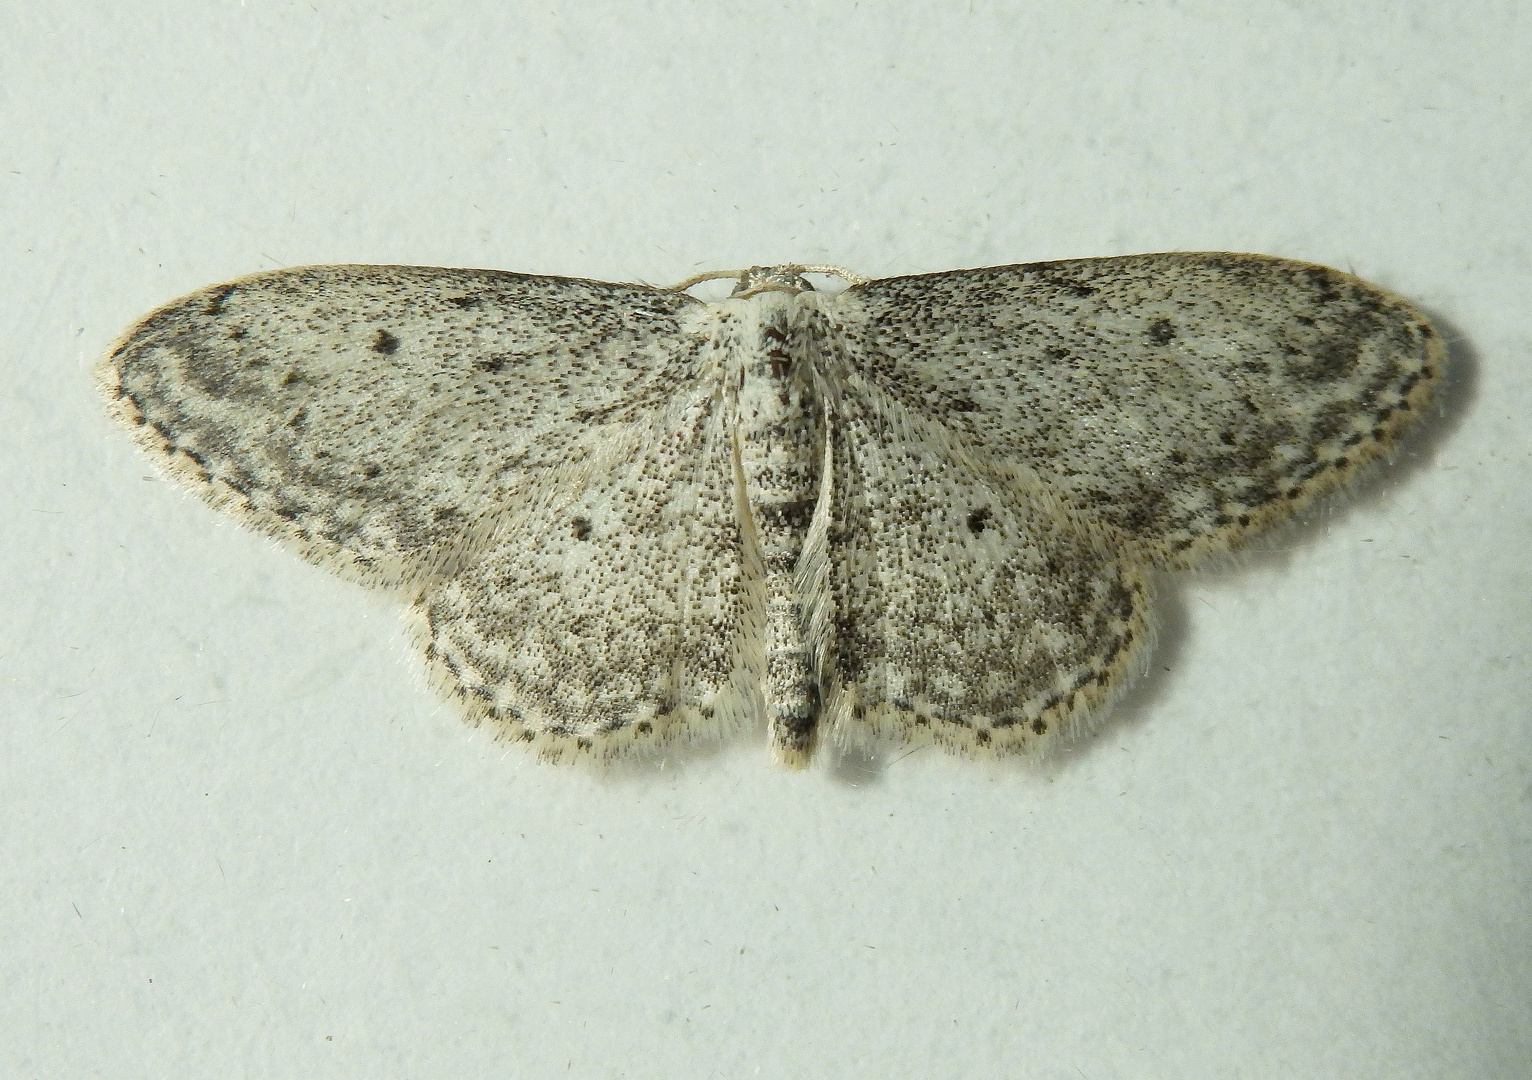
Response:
column 1227, row 438
column 238, row 333
column 1040, row 726
column 443, row 513
column 216, row 301
column 1304, row 320
column 491, row 364
column 584, row 743
column 644, row 727
column 962, row 405
column 464, row 302
column 385, row 343
column 371, row 470
column 1161, row 332
column 580, row 528
column 981, row 737
column 977, row 520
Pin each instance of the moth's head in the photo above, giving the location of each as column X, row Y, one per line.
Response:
column 759, row 279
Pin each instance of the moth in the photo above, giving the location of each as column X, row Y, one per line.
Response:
column 927, row 508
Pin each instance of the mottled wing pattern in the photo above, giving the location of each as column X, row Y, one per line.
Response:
column 1184, row 399
column 356, row 411
column 1016, row 446
column 971, row 607
column 629, row 611
column 539, row 460
column 552, row 468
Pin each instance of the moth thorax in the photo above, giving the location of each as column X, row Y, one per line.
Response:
column 781, row 435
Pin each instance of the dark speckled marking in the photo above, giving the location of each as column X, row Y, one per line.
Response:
column 553, row 473
column 218, row 297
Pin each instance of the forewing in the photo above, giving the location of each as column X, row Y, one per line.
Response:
column 1183, row 399
column 970, row 606
column 628, row 614
column 383, row 419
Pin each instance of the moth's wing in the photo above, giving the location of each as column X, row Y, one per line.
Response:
column 1182, row 399
column 625, row 615
column 383, row 419
column 965, row 604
